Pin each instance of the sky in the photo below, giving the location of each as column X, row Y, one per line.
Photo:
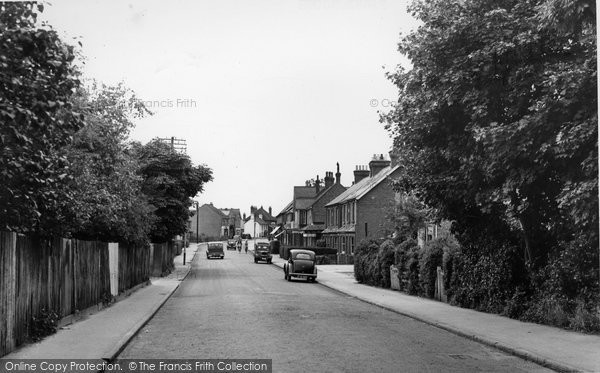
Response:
column 268, row 94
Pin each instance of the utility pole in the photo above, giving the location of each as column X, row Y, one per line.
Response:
column 177, row 145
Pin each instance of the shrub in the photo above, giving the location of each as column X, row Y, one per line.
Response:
column 431, row 257
column 366, row 267
column 403, row 256
column 385, row 259
column 43, row 325
column 584, row 319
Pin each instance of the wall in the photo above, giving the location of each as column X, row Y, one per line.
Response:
column 209, row 222
column 372, row 209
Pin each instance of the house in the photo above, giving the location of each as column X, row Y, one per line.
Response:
column 211, row 222
column 360, row 212
column 207, row 222
column 233, row 223
column 259, row 223
column 315, row 216
column 284, row 223
column 303, row 219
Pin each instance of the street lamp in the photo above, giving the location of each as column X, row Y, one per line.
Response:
column 197, row 219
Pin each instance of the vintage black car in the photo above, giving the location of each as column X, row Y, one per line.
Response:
column 301, row 263
column 231, row 244
column 262, row 251
column 215, row 250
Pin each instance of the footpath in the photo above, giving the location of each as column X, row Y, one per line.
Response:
column 103, row 335
column 554, row 348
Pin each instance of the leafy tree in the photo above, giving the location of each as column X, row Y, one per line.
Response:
column 170, row 180
column 103, row 200
column 408, row 215
column 496, row 123
column 37, row 80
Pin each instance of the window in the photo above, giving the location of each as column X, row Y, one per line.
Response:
column 366, row 230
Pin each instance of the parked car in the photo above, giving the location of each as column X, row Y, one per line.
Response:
column 231, row 244
column 301, row 263
column 262, row 251
column 215, row 250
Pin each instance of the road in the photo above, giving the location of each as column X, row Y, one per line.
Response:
column 234, row 308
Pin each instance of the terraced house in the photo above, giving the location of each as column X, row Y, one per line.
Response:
column 360, row 212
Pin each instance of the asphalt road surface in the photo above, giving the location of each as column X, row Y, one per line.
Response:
column 234, row 308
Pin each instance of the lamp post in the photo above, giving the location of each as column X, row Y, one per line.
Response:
column 197, row 219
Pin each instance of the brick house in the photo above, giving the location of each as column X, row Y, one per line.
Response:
column 302, row 220
column 360, row 212
column 315, row 217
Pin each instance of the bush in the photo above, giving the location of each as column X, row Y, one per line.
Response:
column 403, row 258
column 284, row 251
column 385, row 259
column 43, row 325
column 366, row 267
column 431, row 257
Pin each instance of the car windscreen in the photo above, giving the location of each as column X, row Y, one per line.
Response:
column 215, row 247
column 303, row 256
column 262, row 247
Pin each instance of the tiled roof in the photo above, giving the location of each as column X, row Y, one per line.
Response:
column 265, row 215
column 287, row 208
column 213, row 208
column 363, row 187
column 304, row 192
column 303, row 203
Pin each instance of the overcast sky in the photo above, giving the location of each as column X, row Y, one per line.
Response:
column 266, row 93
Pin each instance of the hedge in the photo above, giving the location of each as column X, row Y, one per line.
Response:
column 284, row 251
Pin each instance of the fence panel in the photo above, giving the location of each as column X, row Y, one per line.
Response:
column 134, row 265
column 7, row 291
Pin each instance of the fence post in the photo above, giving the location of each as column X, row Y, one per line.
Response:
column 113, row 265
column 440, row 292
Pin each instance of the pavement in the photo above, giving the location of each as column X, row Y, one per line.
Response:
column 113, row 327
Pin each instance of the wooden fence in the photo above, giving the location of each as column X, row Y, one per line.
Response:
column 64, row 276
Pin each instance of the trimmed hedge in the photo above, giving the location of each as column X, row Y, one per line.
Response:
column 284, row 251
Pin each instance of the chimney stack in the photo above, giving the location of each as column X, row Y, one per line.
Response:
column 270, row 211
column 328, row 179
column 317, row 185
column 338, row 176
column 377, row 164
column 360, row 173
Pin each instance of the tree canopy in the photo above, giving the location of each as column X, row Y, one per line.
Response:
column 170, row 180
column 496, row 122
column 37, row 80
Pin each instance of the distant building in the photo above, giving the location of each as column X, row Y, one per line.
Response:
column 303, row 219
column 360, row 212
column 260, row 222
column 214, row 223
